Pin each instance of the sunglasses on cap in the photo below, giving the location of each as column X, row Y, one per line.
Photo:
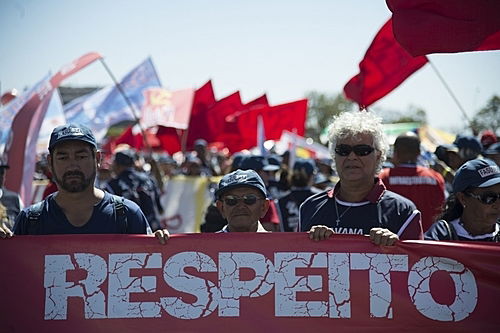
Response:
column 359, row 150
column 486, row 198
column 249, row 199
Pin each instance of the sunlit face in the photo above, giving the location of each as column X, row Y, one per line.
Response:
column 243, row 217
column 357, row 168
column 481, row 213
column 73, row 165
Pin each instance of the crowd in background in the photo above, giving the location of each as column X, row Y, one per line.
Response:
column 289, row 180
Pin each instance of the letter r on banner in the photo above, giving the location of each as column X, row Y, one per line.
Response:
column 57, row 289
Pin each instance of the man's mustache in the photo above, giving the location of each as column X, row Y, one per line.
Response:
column 73, row 173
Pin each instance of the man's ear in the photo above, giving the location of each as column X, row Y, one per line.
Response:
column 460, row 198
column 265, row 207
column 220, row 207
column 98, row 157
column 49, row 163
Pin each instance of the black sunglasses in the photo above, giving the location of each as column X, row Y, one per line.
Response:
column 359, row 150
column 487, row 198
column 249, row 199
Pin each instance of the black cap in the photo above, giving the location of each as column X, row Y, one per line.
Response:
column 125, row 157
column 257, row 163
column 240, row 178
column 71, row 132
column 305, row 164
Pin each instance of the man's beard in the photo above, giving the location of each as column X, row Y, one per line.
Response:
column 75, row 185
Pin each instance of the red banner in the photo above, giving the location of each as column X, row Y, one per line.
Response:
column 245, row 282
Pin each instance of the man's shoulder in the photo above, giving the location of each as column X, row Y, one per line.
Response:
column 393, row 197
column 428, row 172
column 317, row 198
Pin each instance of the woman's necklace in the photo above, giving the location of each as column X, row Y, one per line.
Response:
column 337, row 211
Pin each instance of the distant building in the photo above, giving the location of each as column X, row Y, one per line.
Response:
column 70, row 93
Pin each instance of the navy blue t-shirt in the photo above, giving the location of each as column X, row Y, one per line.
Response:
column 52, row 220
column 382, row 208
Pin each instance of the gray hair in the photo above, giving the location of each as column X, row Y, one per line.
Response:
column 351, row 124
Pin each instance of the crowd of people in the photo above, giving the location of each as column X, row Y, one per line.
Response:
column 365, row 188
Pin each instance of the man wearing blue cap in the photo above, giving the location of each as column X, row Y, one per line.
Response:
column 79, row 207
column 241, row 199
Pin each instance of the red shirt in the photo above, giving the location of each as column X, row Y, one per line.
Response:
column 423, row 186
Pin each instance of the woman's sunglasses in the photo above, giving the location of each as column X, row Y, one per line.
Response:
column 359, row 150
column 487, row 198
column 249, row 199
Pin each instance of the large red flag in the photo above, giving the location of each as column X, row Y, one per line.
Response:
column 276, row 119
column 443, row 26
column 216, row 116
column 385, row 66
column 229, row 136
column 26, row 126
column 204, row 98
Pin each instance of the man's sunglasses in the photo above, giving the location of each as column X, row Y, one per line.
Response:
column 359, row 150
column 249, row 199
column 487, row 198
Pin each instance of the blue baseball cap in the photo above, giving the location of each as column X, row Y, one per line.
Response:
column 257, row 163
column 305, row 164
column 476, row 173
column 240, row 178
column 493, row 149
column 71, row 132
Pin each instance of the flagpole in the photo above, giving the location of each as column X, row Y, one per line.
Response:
column 129, row 103
column 450, row 92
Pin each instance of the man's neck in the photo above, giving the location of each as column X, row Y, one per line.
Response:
column 253, row 228
column 354, row 191
column 90, row 196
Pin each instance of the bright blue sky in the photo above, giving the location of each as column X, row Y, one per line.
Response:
column 283, row 48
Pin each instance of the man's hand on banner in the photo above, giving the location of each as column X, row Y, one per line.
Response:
column 381, row 236
column 162, row 235
column 320, row 232
column 5, row 232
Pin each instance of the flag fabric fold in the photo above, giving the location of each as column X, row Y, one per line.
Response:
column 385, row 66
column 204, row 98
column 446, row 26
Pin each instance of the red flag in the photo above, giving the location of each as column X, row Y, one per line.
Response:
column 443, row 26
column 276, row 119
column 169, row 138
column 259, row 101
column 230, row 136
column 133, row 137
column 26, row 126
column 167, row 108
column 216, row 116
column 385, row 66
column 203, row 99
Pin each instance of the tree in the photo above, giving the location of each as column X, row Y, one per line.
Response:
column 412, row 115
column 322, row 108
column 488, row 117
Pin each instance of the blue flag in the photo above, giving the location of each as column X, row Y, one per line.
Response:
column 108, row 106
